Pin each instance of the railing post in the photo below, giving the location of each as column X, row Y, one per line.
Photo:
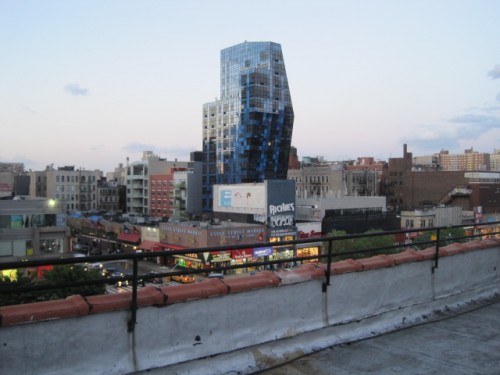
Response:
column 328, row 264
column 436, row 254
column 133, row 305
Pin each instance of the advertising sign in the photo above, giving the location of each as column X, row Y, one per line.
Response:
column 281, row 203
column 262, row 251
column 241, row 198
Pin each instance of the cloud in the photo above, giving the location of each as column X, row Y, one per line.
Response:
column 179, row 153
column 75, row 89
column 475, row 119
column 98, row 147
column 495, row 72
column 453, row 133
column 492, row 108
column 432, row 138
column 29, row 110
column 138, row 147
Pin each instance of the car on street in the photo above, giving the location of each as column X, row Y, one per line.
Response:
column 157, row 279
column 183, row 279
column 216, row 275
column 81, row 248
column 116, row 275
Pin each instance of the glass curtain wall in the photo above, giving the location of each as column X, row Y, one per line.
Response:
column 247, row 133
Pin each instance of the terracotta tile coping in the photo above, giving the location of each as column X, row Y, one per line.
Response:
column 75, row 306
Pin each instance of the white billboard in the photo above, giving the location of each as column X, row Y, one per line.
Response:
column 241, row 198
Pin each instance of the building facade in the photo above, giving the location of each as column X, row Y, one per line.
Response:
column 247, row 132
column 148, row 198
column 75, row 189
column 109, row 195
column 434, row 217
column 363, row 177
column 470, row 160
column 176, row 193
column 495, row 160
column 32, row 227
column 119, row 175
column 337, row 179
column 318, row 181
column 13, row 180
column 410, row 189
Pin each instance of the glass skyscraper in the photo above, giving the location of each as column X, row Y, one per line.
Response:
column 247, row 133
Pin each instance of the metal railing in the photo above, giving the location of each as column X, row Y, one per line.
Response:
column 329, row 254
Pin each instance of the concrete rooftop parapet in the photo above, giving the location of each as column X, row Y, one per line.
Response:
column 244, row 324
column 204, row 289
column 377, row 261
column 344, row 266
column 454, row 248
column 147, row 296
column 301, row 273
column 428, row 253
column 35, row 312
column 167, row 295
column 487, row 243
column 407, row 256
column 258, row 281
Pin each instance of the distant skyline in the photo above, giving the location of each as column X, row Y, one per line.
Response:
column 89, row 83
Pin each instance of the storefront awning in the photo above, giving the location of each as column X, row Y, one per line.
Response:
column 150, row 246
column 167, row 246
column 129, row 237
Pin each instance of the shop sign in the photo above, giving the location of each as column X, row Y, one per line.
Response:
column 281, row 232
column 281, row 208
column 220, row 257
column 281, row 221
column 242, row 253
column 262, row 251
column 312, row 233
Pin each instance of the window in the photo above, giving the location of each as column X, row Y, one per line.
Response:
column 5, row 248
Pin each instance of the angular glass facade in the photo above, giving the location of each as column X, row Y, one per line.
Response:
column 247, row 133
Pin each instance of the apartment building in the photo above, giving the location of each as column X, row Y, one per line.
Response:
column 76, row 189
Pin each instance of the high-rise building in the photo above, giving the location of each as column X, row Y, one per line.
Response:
column 247, row 133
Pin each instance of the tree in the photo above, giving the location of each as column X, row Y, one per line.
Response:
column 16, row 298
column 361, row 244
column 58, row 275
column 446, row 237
column 73, row 273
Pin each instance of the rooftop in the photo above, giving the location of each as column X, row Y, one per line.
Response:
column 461, row 341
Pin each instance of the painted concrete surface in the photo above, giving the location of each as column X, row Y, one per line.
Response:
column 243, row 332
column 465, row 342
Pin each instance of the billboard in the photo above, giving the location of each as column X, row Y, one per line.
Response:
column 241, row 198
column 281, row 203
column 271, row 202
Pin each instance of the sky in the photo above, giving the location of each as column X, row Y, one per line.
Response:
column 88, row 83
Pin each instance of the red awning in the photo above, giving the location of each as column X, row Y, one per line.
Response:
column 129, row 237
column 167, row 246
column 150, row 245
